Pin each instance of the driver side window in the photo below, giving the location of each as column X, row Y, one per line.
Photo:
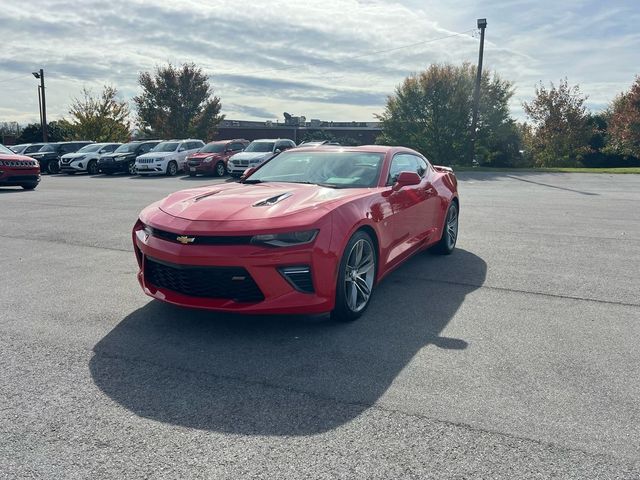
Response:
column 402, row 162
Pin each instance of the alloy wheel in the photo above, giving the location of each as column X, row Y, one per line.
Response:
column 359, row 275
column 131, row 168
column 452, row 226
column 220, row 170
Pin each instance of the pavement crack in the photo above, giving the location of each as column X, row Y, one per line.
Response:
column 63, row 242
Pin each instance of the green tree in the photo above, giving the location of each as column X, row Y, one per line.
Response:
column 177, row 102
column 56, row 132
column 431, row 112
column 104, row 118
column 624, row 122
column 561, row 125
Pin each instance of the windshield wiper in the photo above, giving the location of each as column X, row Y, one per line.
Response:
column 251, row 182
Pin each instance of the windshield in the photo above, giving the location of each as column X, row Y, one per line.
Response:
column 165, row 147
column 260, row 147
column 4, row 149
column 331, row 169
column 126, row 148
column 213, row 148
column 48, row 148
column 33, row 148
column 18, row 148
column 94, row 147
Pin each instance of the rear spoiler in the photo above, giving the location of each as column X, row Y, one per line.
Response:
column 443, row 169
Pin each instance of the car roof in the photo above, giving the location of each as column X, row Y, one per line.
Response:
column 363, row 148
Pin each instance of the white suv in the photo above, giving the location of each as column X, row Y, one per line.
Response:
column 167, row 157
column 257, row 152
column 85, row 159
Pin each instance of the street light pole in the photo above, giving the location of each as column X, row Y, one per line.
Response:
column 43, row 103
column 482, row 24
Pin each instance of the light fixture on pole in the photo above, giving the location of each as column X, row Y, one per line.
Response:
column 42, row 103
column 482, row 24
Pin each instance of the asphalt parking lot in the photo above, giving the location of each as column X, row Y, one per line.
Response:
column 516, row 357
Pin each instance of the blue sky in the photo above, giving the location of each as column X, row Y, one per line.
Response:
column 267, row 57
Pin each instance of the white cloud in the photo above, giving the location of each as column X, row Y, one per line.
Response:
column 268, row 57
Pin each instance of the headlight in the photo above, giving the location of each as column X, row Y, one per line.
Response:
column 230, row 163
column 208, row 159
column 81, row 157
column 120, row 159
column 285, row 239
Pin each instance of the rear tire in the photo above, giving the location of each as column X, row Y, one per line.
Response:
column 172, row 169
column 447, row 242
column 53, row 167
column 356, row 277
column 29, row 186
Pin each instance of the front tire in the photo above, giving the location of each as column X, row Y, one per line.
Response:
column 447, row 242
column 220, row 169
column 356, row 277
column 131, row 168
column 29, row 186
column 172, row 169
column 92, row 168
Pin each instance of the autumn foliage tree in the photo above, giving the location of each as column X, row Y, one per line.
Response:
column 177, row 102
column 103, row 118
column 431, row 112
column 561, row 125
column 624, row 122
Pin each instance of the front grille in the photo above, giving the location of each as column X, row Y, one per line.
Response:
column 24, row 178
column 194, row 163
column 232, row 283
column 202, row 239
column 146, row 160
column 105, row 160
column 18, row 163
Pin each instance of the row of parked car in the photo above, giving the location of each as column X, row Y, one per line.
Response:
column 154, row 157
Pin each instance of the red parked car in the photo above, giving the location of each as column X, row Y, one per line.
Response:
column 312, row 230
column 18, row 170
column 213, row 157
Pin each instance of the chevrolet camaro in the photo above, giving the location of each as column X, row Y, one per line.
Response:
column 312, row 230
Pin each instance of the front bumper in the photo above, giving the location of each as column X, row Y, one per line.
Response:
column 262, row 264
column 113, row 167
column 151, row 168
column 196, row 166
column 18, row 177
column 79, row 166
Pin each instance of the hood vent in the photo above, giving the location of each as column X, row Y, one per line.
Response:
column 267, row 202
column 205, row 195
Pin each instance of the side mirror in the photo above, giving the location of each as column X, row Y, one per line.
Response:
column 406, row 179
column 247, row 173
column 277, row 150
column 228, row 150
column 181, row 149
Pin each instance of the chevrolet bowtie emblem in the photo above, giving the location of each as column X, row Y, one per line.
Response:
column 183, row 239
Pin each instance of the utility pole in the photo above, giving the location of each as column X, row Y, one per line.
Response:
column 482, row 24
column 43, row 104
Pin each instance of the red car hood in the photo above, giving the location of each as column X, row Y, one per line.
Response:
column 245, row 202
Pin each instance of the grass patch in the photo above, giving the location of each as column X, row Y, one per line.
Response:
column 552, row 170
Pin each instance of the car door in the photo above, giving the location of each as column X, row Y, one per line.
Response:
column 408, row 207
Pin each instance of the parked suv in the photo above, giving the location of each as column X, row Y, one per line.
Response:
column 167, row 157
column 85, row 159
column 26, row 148
column 49, row 155
column 213, row 157
column 257, row 152
column 18, row 170
column 123, row 159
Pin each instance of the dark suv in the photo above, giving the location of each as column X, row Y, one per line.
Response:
column 49, row 155
column 123, row 159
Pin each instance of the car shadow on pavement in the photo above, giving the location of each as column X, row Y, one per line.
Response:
column 276, row 375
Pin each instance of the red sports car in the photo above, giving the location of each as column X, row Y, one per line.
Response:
column 312, row 230
column 18, row 170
